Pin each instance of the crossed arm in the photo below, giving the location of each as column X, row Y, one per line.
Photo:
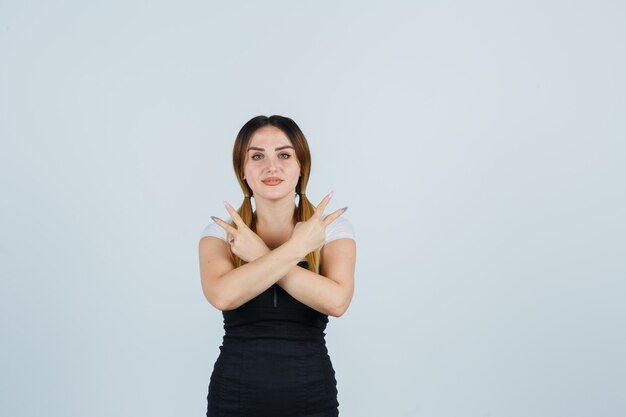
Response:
column 331, row 291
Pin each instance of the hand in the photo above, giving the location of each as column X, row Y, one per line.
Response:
column 310, row 235
column 244, row 243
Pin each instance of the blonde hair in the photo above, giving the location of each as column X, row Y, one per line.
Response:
column 305, row 208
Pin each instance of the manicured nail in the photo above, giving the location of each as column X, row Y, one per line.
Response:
column 345, row 208
column 330, row 195
column 214, row 218
column 227, row 205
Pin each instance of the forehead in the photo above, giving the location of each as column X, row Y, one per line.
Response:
column 269, row 137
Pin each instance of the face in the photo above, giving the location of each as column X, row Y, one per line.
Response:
column 271, row 154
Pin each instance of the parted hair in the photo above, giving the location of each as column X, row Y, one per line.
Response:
column 304, row 209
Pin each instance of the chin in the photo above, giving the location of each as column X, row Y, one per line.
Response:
column 276, row 195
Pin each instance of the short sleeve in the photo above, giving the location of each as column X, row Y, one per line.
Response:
column 214, row 229
column 339, row 228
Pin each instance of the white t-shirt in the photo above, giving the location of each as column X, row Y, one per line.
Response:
column 337, row 229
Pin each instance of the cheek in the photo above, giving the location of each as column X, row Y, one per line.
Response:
column 250, row 171
column 295, row 173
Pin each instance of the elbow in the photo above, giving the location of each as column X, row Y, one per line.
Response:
column 339, row 310
column 218, row 302
column 221, row 304
column 341, row 306
column 217, row 298
column 227, row 303
column 336, row 313
column 218, row 305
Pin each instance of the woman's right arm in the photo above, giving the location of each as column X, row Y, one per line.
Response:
column 227, row 287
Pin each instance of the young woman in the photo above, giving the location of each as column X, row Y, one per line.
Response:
column 276, row 274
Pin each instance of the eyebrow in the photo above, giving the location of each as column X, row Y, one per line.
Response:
column 254, row 148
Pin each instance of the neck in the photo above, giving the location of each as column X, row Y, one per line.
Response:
column 275, row 215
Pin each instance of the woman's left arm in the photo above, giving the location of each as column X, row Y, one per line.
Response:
column 329, row 292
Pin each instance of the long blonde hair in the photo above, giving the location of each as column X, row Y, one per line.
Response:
column 305, row 208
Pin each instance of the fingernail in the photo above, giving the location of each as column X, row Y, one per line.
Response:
column 214, row 218
column 345, row 208
column 330, row 195
column 227, row 205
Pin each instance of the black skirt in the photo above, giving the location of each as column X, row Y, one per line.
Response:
column 273, row 361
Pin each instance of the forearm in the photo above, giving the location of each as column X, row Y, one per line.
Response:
column 315, row 290
column 249, row 280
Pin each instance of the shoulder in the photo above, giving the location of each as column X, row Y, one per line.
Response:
column 340, row 228
column 213, row 229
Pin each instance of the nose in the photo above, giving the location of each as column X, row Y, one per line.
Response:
column 271, row 165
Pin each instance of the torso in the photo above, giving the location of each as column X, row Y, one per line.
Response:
column 274, row 240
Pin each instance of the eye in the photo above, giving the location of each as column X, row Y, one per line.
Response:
column 287, row 156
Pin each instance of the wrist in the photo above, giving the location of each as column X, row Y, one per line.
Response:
column 295, row 248
column 263, row 252
column 283, row 280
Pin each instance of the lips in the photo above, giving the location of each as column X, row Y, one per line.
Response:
column 272, row 181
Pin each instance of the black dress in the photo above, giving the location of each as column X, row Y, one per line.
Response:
column 273, row 361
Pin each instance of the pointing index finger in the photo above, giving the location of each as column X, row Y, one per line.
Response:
column 224, row 225
column 332, row 216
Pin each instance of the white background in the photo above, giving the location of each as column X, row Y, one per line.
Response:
column 479, row 147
